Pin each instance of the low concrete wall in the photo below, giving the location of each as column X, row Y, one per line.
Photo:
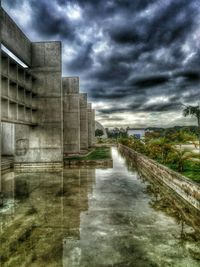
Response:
column 38, row 167
column 188, row 190
column 97, row 163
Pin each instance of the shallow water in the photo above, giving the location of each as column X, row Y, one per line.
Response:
column 93, row 218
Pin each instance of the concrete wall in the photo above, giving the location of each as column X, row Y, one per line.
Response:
column 83, row 122
column 71, row 115
column 44, row 142
column 89, row 110
column 14, row 39
column 0, row 98
column 185, row 188
column 7, row 139
column 93, row 127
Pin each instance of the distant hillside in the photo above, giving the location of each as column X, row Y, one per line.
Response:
column 193, row 129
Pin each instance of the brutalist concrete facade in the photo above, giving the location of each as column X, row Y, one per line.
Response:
column 79, row 118
column 83, row 122
column 89, row 111
column 49, row 115
column 71, row 111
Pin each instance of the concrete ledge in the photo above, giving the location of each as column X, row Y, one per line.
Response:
column 88, row 163
column 38, row 167
column 185, row 188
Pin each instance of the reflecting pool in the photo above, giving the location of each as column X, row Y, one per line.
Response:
column 93, row 218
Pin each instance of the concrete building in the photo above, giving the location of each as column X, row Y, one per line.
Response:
column 89, row 111
column 42, row 115
column 71, row 113
column 138, row 133
column 83, row 122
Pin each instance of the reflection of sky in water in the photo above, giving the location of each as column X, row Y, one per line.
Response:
column 88, row 217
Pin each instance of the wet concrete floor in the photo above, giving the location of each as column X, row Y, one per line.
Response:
column 95, row 218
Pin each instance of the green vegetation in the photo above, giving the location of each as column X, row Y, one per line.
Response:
column 98, row 132
column 100, row 153
column 169, row 151
column 191, row 170
column 193, row 111
column 116, row 133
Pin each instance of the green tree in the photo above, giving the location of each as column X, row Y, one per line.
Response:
column 159, row 148
column 193, row 111
column 179, row 157
column 98, row 132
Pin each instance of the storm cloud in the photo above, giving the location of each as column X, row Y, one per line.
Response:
column 139, row 61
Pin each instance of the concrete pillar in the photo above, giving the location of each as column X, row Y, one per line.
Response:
column 0, row 99
column 43, row 143
column 71, row 115
column 89, row 110
column 83, row 122
column 93, row 128
column 7, row 139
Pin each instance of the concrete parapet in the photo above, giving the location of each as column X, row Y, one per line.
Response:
column 186, row 189
column 14, row 39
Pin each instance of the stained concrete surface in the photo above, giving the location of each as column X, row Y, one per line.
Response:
column 95, row 218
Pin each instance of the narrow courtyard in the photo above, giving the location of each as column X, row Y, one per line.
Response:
column 95, row 217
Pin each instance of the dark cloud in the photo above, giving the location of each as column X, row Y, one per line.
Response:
column 190, row 75
column 126, row 52
column 82, row 60
column 47, row 22
column 150, row 81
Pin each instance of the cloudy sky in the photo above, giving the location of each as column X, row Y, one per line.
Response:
column 138, row 60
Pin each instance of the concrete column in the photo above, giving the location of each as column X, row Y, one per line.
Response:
column 0, row 98
column 83, row 122
column 43, row 143
column 89, row 110
column 7, row 139
column 93, row 127
column 71, row 115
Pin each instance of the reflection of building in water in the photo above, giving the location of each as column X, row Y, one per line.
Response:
column 8, row 191
column 71, row 252
column 48, row 207
column 77, row 183
column 8, row 184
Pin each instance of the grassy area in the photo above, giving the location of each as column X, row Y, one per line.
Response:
column 100, row 153
column 191, row 170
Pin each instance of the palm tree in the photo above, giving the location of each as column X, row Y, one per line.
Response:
column 180, row 156
column 193, row 111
